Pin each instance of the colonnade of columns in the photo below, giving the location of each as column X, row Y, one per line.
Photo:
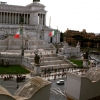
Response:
column 42, row 19
column 13, row 18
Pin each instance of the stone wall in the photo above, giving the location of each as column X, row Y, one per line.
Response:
column 81, row 88
column 17, row 60
column 73, row 86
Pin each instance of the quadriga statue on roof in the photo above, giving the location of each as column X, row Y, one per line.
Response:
column 37, row 59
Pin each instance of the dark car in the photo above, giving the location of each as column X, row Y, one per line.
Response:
column 60, row 82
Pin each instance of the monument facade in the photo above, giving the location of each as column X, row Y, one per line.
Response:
column 34, row 15
column 69, row 51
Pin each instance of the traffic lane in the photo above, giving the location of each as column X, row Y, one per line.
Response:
column 55, row 96
column 11, row 85
column 54, row 85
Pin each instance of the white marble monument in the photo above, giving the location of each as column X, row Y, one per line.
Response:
column 34, row 21
column 69, row 51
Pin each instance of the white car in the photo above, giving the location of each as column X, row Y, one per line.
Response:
column 60, row 82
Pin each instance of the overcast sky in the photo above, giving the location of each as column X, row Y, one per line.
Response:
column 72, row 14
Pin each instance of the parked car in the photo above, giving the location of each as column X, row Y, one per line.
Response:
column 60, row 82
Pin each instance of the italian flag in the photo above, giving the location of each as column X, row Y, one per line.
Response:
column 53, row 33
column 17, row 35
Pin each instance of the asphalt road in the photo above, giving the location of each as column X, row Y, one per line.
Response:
column 54, row 85
column 56, row 91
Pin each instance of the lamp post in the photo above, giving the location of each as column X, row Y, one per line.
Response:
column 21, row 21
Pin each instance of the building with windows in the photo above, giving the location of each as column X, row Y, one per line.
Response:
column 71, row 41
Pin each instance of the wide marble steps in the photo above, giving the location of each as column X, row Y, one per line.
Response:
column 53, row 62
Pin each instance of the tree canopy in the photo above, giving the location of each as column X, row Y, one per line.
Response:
column 78, row 37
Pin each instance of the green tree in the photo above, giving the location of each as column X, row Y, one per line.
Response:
column 79, row 38
column 61, row 37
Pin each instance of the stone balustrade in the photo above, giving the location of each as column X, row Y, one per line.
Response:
column 53, row 62
column 57, row 66
column 50, row 58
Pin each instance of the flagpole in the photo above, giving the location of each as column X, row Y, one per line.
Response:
column 21, row 30
column 56, row 41
column 37, row 39
column 56, row 35
column 50, row 22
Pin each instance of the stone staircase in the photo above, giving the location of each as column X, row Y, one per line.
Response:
column 49, row 60
column 53, row 62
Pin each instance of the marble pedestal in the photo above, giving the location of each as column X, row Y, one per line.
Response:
column 85, row 63
column 37, row 70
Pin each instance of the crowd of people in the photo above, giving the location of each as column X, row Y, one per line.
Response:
column 8, row 77
column 20, row 78
column 54, row 73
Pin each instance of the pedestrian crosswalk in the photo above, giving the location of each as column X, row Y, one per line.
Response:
column 58, row 91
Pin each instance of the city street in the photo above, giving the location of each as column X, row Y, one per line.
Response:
column 56, row 91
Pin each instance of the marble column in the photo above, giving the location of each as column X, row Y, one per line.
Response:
column 1, row 17
column 24, row 18
column 12, row 18
column 4, row 17
column 44, row 19
column 27, row 19
column 9, row 18
column 18, row 18
column 15, row 17
column 39, row 18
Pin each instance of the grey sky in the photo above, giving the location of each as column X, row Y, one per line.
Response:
column 72, row 14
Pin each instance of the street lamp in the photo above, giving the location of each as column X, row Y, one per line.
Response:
column 21, row 21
